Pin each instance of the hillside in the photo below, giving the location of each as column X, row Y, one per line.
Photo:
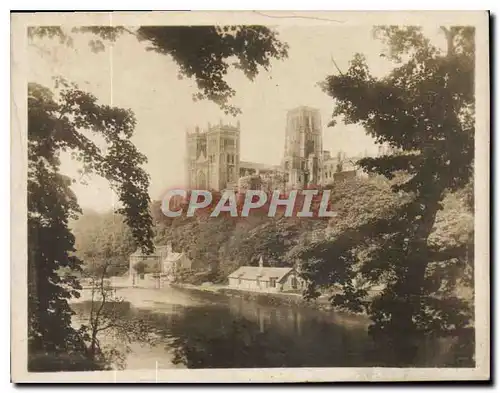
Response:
column 219, row 245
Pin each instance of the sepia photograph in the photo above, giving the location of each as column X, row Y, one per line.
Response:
column 250, row 196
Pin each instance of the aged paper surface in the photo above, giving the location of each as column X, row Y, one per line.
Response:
column 394, row 294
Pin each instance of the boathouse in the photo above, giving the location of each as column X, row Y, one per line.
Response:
column 265, row 279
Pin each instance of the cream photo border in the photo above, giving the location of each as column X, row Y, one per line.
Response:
column 19, row 24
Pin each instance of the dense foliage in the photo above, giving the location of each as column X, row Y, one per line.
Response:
column 219, row 245
column 424, row 109
column 204, row 53
column 69, row 119
column 58, row 123
column 103, row 241
column 410, row 234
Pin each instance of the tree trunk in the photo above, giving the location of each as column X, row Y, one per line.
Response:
column 408, row 337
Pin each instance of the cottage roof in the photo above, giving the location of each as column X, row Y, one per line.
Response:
column 173, row 256
column 138, row 252
column 263, row 273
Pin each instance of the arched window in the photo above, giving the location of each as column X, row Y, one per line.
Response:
column 201, row 180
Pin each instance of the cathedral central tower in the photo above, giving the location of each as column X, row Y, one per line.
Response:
column 303, row 147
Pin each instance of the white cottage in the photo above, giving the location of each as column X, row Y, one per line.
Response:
column 266, row 279
column 164, row 263
column 175, row 262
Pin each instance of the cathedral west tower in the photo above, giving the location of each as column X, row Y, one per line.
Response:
column 213, row 157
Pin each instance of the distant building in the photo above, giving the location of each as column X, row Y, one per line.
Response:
column 303, row 147
column 163, row 265
column 305, row 163
column 256, row 176
column 340, row 167
column 254, row 168
column 344, row 175
column 213, row 158
column 265, row 279
column 387, row 150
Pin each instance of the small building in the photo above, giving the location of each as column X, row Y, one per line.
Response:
column 265, row 279
column 174, row 262
column 162, row 265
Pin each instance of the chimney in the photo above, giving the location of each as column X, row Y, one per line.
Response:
column 169, row 248
column 261, row 263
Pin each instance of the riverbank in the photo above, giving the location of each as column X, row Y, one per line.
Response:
column 269, row 298
column 275, row 299
column 148, row 298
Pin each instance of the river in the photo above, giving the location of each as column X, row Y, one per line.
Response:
column 205, row 330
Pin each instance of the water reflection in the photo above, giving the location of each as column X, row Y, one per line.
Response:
column 213, row 331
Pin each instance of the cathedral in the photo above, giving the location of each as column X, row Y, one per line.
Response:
column 303, row 147
column 213, row 159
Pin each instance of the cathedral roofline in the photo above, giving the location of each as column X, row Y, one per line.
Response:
column 217, row 127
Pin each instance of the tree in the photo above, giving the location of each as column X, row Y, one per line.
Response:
column 270, row 238
column 454, row 229
column 204, row 53
column 103, row 239
column 339, row 166
column 141, row 267
column 58, row 123
column 108, row 316
column 424, row 109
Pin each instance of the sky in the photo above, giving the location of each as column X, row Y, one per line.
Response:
column 128, row 76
